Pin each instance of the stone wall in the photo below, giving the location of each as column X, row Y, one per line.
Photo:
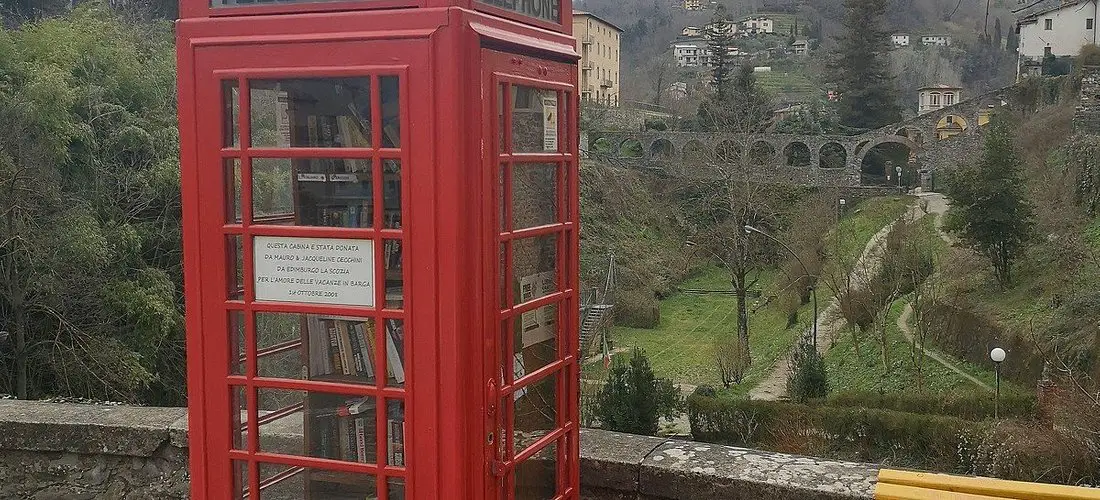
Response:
column 76, row 452
column 1086, row 118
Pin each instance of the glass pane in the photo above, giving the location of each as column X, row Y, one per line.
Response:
column 231, row 112
column 234, row 246
column 233, row 190
column 534, row 120
column 395, row 294
column 537, row 477
column 501, row 146
column 236, row 343
column 284, row 482
column 391, row 111
column 316, row 424
column 396, row 487
column 395, row 353
column 312, row 192
column 535, row 335
column 240, row 479
column 534, row 194
column 534, row 263
column 319, row 113
column 391, row 193
column 535, row 412
column 239, row 412
column 332, row 348
column 395, row 432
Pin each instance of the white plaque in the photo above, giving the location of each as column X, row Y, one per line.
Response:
column 314, row 270
column 550, row 124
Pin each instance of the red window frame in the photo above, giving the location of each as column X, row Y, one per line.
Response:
column 217, row 365
column 502, row 72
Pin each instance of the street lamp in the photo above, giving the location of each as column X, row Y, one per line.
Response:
column 813, row 289
column 997, row 355
column 898, row 170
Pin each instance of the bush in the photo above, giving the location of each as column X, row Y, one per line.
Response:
column 637, row 309
column 902, row 439
column 633, row 400
column 807, row 378
column 977, row 405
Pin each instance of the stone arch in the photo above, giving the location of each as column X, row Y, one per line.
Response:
column 762, row 152
column 662, row 148
column 631, row 148
column 797, row 154
column 880, row 159
column 728, row 150
column 832, row 155
column 861, row 146
column 603, row 145
column 949, row 125
column 913, row 133
column 695, row 151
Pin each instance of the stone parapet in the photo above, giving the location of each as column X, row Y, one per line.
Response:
column 77, row 452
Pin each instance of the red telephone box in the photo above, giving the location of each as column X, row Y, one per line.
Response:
column 381, row 248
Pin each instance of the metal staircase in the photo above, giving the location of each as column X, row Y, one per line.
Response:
column 596, row 308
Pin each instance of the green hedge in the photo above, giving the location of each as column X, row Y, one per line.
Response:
column 1019, row 449
column 899, row 438
column 976, row 405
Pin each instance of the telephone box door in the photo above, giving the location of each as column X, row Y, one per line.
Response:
column 531, row 169
column 308, row 343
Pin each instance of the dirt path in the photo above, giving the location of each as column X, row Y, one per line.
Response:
column 903, row 325
column 829, row 322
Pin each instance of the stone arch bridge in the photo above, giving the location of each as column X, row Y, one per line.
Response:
column 937, row 140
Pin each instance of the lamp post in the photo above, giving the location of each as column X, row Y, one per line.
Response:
column 898, row 170
column 997, row 355
column 813, row 289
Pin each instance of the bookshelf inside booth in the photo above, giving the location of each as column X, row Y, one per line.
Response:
column 339, row 190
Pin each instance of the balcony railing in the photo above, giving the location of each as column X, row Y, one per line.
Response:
column 587, row 39
column 607, row 83
column 586, row 66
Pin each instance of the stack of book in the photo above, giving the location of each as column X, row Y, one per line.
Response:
column 346, row 346
column 348, row 432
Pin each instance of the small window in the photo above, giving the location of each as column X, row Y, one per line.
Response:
column 949, row 99
column 1088, row 23
column 1048, row 24
column 1047, row 51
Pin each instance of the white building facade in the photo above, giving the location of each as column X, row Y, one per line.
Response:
column 1061, row 29
column 937, row 97
column 900, row 39
column 758, row 25
column 935, row 40
column 691, row 54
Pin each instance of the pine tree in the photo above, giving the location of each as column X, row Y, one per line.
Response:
column 720, row 41
column 868, row 97
column 989, row 207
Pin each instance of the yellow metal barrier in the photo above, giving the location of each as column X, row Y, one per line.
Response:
column 905, row 485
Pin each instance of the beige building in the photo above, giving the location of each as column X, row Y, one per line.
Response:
column 598, row 44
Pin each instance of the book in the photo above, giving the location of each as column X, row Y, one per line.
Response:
column 344, row 343
column 394, row 355
column 334, row 347
column 361, row 330
column 348, row 329
column 320, row 363
column 361, row 440
column 344, row 434
column 395, row 445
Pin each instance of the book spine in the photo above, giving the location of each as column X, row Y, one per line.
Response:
column 361, row 440
column 356, row 349
column 361, row 331
column 334, row 347
column 346, row 446
column 395, row 449
column 394, row 366
column 345, row 348
column 353, row 450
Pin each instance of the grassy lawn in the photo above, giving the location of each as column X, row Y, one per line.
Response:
column 682, row 346
column 846, row 243
column 852, row 369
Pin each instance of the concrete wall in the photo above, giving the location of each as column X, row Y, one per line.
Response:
column 1067, row 35
column 78, row 452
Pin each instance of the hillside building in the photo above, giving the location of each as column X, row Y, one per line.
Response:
column 693, row 5
column 598, row 43
column 758, row 25
column 1055, row 27
column 900, row 39
column 800, row 47
column 935, row 40
column 937, row 97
